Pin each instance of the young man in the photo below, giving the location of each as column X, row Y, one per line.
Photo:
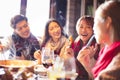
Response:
column 22, row 43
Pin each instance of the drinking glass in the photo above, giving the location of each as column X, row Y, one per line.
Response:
column 57, row 70
column 70, row 69
column 47, row 57
column 63, row 69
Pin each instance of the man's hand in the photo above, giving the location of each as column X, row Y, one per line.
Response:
column 1, row 47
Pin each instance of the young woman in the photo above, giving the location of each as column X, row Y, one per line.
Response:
column 106, row 29
column 54, row 38
column 84, row 28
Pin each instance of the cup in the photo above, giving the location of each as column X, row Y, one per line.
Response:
column 47, row 57
column 70, row 69
column 63, row 69
column 57, row 70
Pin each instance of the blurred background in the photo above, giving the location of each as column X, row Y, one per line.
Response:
column 39, row 11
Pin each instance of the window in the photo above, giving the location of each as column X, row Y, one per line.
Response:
column 6, row 12
column 38, row 13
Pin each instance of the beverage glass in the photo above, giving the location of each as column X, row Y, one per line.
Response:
column 47, row 57
column 63, row 69
column 57, row 70
column 70, row 69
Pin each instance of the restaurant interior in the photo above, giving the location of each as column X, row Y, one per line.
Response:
column 67, row 13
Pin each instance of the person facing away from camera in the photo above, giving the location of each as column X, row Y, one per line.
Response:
column 106, row 29
column 22, row 43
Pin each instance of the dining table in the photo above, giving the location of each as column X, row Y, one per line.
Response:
column 31, row 70
column 21, row 70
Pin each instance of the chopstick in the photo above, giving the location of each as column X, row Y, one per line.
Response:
column 90, row 41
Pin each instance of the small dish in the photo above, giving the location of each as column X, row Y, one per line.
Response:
column 41, row 70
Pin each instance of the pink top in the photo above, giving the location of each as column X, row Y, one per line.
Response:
column 105, row 57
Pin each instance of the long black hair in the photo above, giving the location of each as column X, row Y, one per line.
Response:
column 46, row 35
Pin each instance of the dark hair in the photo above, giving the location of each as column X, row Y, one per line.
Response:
column 112, row 9
column 16, row 19
column 46, row 36
column 89, row 20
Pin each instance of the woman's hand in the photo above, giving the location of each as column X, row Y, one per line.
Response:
column 86, row 58
column 67, row 53
column 87, row 53
column 83, row 56
column 37, row 55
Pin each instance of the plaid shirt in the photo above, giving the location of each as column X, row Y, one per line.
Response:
column 25, row 47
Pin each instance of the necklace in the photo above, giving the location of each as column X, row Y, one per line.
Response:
column 54, row 44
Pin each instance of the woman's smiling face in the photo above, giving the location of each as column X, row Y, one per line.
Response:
column 54, row 30
column 85, row 30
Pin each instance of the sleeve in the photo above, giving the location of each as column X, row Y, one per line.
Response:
column 112, row 72
column 9, row 48
column 7, row 42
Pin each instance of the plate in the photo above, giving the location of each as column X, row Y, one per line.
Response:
column 41, row 70
column 17, row 63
